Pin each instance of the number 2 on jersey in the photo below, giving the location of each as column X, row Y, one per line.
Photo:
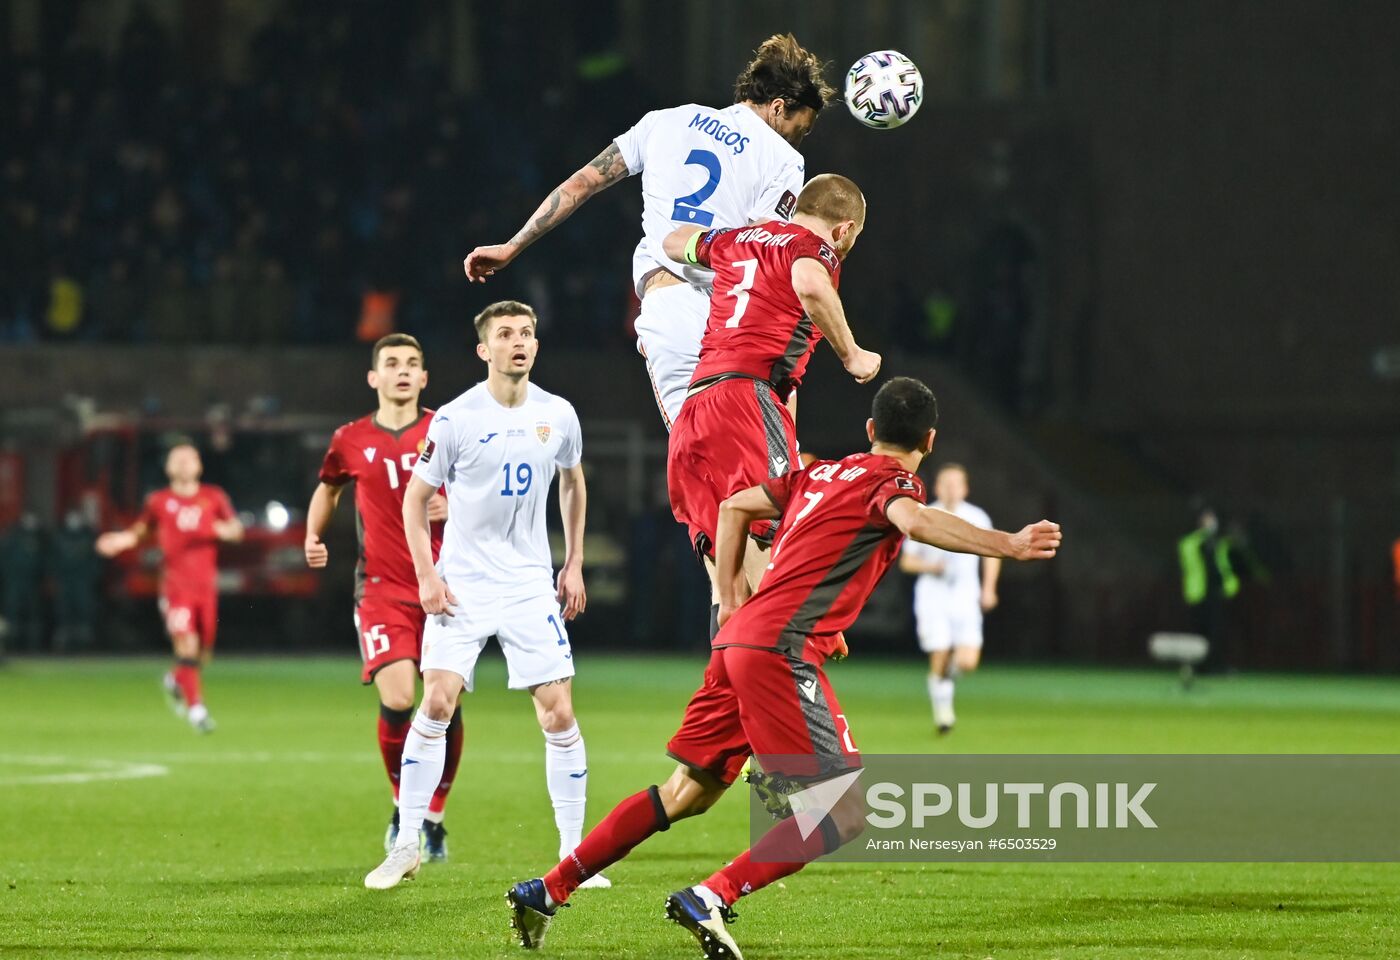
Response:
column 740, row 290
column 687, row 208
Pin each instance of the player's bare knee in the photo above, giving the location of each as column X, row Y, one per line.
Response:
column 396, row 699
column 557, row 718
column 439, row 700
column 689, row 793
column 968, row 660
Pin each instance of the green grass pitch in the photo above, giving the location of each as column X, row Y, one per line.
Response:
column 253, row 841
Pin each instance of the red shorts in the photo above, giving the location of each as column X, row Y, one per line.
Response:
column 191, row 612
column 728, row 437
column 389, row 630
column 761, row 702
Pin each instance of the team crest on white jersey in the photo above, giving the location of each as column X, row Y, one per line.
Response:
column 542, row 430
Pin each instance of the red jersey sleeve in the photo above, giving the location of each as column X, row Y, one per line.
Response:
column 223, row 506
column 333, row 472
column 890, row 489
column 812, row 247
column 704, row 249
column 150, row 513
column 779, row 489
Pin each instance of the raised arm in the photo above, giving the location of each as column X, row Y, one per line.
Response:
column 819, row 298
column 573, row 506
column 735, row 515
column 119, row 541
column 602, row 172
column 1037, row 541
column 318, row 517
column 433, row 593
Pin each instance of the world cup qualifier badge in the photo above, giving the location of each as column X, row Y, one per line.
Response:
column 786, row 205
column 542, row 430
column 426, row 455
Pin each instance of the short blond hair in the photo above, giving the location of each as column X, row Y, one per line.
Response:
column 832, row 198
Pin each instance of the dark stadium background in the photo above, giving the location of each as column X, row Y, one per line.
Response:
column 1147, row 253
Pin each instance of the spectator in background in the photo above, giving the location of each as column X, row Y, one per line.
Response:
column 21, row 574
column 1395, row 559
column 74, row 568
column 1208, row 581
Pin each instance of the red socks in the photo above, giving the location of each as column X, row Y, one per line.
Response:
column 784, row 845
column 393, row 730
column 186, row 676
column 450, row 762
column 631, row 822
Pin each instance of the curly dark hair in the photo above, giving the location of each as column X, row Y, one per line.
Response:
column 782, row 69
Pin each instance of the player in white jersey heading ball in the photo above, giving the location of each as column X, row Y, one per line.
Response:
column 701, row 166
column 496, row 449
column 949, row 596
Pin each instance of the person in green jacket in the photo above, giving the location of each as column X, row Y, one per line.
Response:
column 1208, row 581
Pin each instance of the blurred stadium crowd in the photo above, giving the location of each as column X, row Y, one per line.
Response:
column 316, row 197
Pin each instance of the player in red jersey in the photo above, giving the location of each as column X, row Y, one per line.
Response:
column 189, row 520
column 775, row 297
column 764, row 691
column 378, row 452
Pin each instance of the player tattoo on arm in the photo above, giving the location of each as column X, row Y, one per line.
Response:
column 610, row 165
column 600, row 173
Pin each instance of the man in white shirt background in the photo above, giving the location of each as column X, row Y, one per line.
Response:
column 950, row 597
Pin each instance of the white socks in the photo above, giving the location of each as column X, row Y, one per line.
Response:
column 424, row 754
column 566, row 775
column 940, row 691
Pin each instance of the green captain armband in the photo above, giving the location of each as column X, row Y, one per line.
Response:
column 690, row 247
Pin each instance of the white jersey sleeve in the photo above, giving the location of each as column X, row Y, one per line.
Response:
column 439, row 451
column 779, row 198
column 571, row 449
column 632, row 144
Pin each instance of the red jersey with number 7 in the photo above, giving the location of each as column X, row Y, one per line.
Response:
column 836, row 544
column 757, row 327
column 380, row 461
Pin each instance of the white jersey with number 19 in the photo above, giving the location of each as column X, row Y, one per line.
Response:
column 497, row 464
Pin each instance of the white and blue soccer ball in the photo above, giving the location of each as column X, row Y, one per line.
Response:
column 884, row 89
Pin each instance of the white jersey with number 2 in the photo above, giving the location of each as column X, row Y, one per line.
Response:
column 705, row 167
column 701, row 167
column 497, row 464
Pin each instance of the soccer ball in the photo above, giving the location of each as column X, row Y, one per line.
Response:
column 884, row 89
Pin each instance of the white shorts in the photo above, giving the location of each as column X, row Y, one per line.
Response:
column 669, row 330
column 943, row 629
column 530, row 630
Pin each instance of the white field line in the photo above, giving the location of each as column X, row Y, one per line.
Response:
column 89, row 770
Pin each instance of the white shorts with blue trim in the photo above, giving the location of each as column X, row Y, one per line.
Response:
column 530, row 630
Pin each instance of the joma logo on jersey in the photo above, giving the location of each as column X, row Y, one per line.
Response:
column 542, row 430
